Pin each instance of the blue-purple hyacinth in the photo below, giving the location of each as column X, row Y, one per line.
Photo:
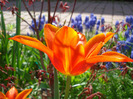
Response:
column 98, row 22
column 116, row 24
column 96, row 32
column 102, row 21
column 131, row 54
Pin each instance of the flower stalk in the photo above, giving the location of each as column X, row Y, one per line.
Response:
column 54, row 11
column 67, row 87
column 49, row 11
column 56, row 87
column 42, row 5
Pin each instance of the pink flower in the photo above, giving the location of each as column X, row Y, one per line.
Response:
column 64, row 7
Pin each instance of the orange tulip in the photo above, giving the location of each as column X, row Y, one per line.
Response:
column 68, row 50
column 13, row 94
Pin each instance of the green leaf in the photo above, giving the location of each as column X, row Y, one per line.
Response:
column 126, row 27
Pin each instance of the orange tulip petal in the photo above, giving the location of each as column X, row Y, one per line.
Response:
column 92, row 44
column 82, row 39
column 77, row 55
column 12, row 93
column 65, row 42
column 109, row 35
column 80, row 68
column 2, row 96
column 32, row 42
column 49, row 32
column 23, row 94
column 110, row 56
column 97, row 49
column 66, row 36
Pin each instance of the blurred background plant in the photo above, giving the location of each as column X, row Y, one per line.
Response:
column 25, row 67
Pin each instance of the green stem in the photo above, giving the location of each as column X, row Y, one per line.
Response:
column 67, row 87
column 56, row 87
column 18, row 24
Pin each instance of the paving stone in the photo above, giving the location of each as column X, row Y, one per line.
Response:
column 111, row 11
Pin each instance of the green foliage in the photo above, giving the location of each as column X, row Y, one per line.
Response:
column 26, row 61
column 10, row 27
column 116, row 87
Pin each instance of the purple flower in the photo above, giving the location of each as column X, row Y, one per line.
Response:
column 91, row 15
column 87, row 25
column 78, row 18
column 116, row 36
column 80, row 28
column 121, row 45
column 86, row 20
column 117, row 48
column 72, row 20
column 72, row 25
column 75, row 24
column 102, row 28
column 108, row 50
column 95, row 19
column 96, row 32
column 98, row 22
column 43, row 18
column 131, row 54
column 37, row 22
column 28, row 34
column 129, row 41
column 131, row 19
column 127, row 45
column 127, row 19
column 97, row 27
column 108, row 65
column 92, row 22
column 122, row 23
column 131, row 27
column 40, row 28
column 102, row 20
column 60, row 25
column 46, row 22
column 127, row 34
column 42, row 21
column 79, row 22
column 116, row 24
column 119, row 51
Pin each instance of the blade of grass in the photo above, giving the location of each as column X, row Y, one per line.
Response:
column 16, row 45
column 4, row 40
column 56, row 85
column 18, row 23
column 3, row 24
